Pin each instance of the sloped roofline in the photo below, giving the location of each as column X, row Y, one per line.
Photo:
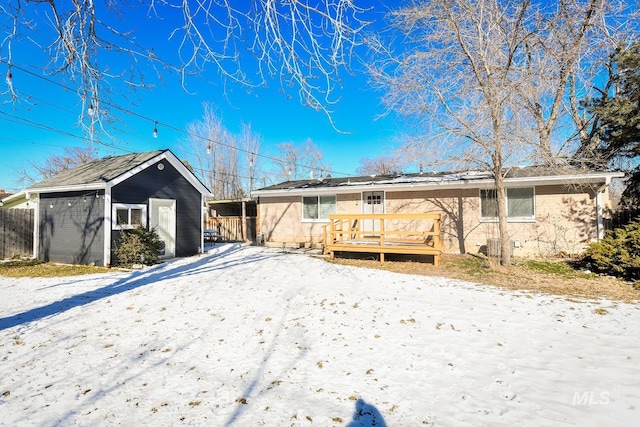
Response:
column 163, row 155
column 418, row 183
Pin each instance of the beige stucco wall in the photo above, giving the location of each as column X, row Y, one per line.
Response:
column 565, row 219
column 564, row 222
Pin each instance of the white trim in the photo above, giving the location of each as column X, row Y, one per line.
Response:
column 107, row 226
column 317, row 196
column 70, row 188
column 129, row 207
column 202, row 217
column 511, row 219
column 165, row 155
column 384, row 200
column 14, row 197
column 173, row 161
column 36, row 228
column 172, row 233
column 599, row 209
column 593, row 178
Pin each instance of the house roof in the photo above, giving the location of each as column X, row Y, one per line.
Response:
column 517, row 176
column 97, row 171
column 107, row 172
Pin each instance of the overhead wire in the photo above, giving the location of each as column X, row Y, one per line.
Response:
column 157, row 123
column 27, row 122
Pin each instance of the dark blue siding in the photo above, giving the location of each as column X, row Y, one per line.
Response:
column 72, row 228
column 167, row 183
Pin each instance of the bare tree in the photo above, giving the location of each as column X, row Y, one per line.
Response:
column 381, row 165
column 454, row 69
column 229, row 164
column 53, row 165
column 216, row 157
column 489, row 82
column 299, row 161
column 250, row 142
column 303, row 45
column 563, row 53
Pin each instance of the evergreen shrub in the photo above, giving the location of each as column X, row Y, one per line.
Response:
column 618, row 254
column 140, row 245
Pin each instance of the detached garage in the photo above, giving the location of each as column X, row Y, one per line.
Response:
column 80, row 213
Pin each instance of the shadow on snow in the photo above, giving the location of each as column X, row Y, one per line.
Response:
column 366, row 415
column 134, row 280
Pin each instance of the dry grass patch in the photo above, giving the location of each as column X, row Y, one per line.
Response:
column 554, row 277
column 36, row 268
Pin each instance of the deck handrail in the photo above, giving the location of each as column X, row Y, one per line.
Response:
column 344, row 231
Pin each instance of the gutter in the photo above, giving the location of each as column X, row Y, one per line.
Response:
column 438, row 185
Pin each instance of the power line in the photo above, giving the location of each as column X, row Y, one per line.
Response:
column 27, row 122
column 20, row 120
column 164, row 124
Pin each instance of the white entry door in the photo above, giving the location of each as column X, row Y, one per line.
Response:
column 372, row 203
column 162, row 217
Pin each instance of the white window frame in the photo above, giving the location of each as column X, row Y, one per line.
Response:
column 129, row 206
column 317, row 197
column 531, row 218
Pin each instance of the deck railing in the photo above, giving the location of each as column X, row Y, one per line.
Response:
column 407, row 233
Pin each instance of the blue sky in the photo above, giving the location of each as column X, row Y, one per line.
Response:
column 44, row 118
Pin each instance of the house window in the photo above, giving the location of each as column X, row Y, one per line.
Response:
column 318, row 207
column 128, row 216
column 520, row 204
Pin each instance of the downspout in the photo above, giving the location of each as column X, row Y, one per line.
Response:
column 244, row 220
column 599, row 207
column 203, row 211
column 107, row 226
column 36, row 225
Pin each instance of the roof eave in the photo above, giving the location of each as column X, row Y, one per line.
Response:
column 16, row 196
column 450, row 185
column 92, row 186
column 174, row 161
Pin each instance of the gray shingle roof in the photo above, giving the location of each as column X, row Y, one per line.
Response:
column 430, row 177
column 97, row 171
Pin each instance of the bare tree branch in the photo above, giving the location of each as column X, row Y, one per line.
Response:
column 301, row 44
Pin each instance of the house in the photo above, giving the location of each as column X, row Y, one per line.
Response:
column 550, row 211
column 80, row 213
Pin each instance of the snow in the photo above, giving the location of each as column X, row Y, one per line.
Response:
column 252, row 336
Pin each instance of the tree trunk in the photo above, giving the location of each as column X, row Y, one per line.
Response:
column 501, row 196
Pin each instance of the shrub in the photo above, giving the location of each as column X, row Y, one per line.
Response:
column 138, row 246
column 618, row 253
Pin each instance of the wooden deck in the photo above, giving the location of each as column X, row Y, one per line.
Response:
column 414, row 234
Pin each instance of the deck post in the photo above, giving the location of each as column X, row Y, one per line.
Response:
column 419, row 239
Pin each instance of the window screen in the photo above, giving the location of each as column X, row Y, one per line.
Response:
column 136, row 216
column 488, row 204
column 122, row 216
column 318, row 207
column 520, row 203
column 310, row 207
column 327, row 206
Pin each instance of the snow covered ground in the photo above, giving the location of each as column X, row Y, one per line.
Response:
column 249, row 336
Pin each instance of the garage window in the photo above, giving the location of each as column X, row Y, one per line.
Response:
column 129, row 216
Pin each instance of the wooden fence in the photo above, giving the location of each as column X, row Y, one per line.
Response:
column 232, row 228
column 16, row 232
column 621, row 218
